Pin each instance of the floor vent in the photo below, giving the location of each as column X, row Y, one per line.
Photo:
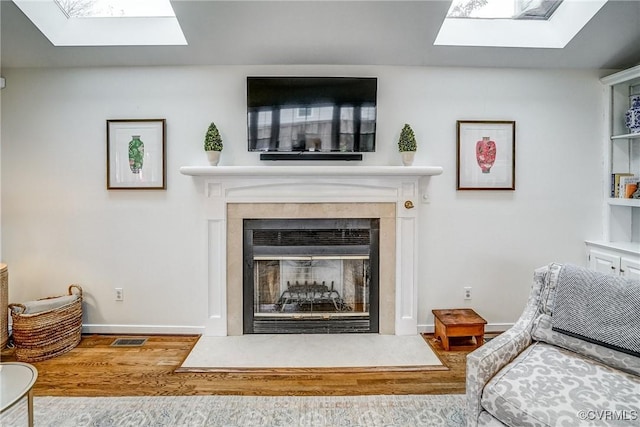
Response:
column 129, row 342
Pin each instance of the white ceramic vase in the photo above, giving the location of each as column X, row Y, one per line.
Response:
column 213, row 157
column 632, row 115
column 407, row 157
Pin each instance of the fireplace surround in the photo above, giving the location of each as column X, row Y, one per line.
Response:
column 238, row 213
column 232, row 194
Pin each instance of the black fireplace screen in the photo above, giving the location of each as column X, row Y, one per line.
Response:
column 311, row 276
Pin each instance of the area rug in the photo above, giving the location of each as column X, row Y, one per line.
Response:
column 243, row 411
column 302, row 351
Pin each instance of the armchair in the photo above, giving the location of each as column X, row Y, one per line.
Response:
column 535, row 375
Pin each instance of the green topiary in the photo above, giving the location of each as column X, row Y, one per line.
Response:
column 407, row 141
column 212, row 140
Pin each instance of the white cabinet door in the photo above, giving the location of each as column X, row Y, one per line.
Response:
column 630, row 268
column 603, row 262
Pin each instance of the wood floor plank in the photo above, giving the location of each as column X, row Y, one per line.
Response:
column 94, row 368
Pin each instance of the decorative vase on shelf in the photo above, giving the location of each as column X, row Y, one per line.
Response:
column 407, row 157
column 632, row 116
column 486, row 153
column 136, row 154
column 213, row 157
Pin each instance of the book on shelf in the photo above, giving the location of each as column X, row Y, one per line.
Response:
column 623, row 185
column 615, row 183
column 628, row 185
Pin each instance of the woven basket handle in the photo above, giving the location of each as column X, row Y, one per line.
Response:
column 77, row 287
column 17, row 308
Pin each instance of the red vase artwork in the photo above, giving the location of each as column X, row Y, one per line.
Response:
column 485, row 153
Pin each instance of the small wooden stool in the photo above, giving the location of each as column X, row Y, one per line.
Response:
column 458, row 322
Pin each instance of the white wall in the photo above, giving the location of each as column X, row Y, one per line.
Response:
column 0, row 152
column 60, row 225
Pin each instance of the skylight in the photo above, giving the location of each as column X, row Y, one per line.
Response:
column 115, row 8
column 111, row 23
column 503, row 9
column 516, row 23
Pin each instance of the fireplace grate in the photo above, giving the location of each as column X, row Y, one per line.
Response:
column 315, row 237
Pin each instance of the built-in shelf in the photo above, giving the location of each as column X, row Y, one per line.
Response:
column 634, row 203
column 626, row 136
column 619, row 246
column 312, row 170
column 631, row 248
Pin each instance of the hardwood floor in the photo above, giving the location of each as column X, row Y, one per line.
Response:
column 94, row 368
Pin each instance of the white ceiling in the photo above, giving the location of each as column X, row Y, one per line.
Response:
column 338, row 32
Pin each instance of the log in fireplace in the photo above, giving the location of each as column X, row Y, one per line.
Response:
column 311, row 275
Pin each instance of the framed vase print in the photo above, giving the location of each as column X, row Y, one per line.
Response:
column 136, row 154
column 486, row 158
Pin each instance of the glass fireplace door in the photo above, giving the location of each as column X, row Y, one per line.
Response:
column 302, row 276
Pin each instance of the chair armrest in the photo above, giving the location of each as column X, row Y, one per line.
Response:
column 486, row 361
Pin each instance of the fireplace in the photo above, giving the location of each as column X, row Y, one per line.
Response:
column 232, row 194
column 311, row 275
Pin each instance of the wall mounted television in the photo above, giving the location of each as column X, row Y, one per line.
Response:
column 315, row 118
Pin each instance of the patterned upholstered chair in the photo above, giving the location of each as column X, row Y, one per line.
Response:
column 572, row 359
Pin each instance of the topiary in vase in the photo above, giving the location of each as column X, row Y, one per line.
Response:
column 213, row 144
column 407, row 145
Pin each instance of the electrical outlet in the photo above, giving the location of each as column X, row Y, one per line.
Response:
column 467, row 292
column 119, row 294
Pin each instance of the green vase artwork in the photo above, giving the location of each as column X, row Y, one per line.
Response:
column 136, row 154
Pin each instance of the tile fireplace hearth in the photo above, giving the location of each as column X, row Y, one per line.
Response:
column 387, row 194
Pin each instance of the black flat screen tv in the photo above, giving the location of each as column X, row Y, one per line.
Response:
column 311, row 115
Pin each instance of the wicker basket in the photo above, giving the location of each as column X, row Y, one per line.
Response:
column 4, row 299
column 43, row 335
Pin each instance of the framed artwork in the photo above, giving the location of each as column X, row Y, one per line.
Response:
column 486, row 158
column 136, row 154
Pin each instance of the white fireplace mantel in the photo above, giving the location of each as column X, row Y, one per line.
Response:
column 302, row 184
column 312, row 170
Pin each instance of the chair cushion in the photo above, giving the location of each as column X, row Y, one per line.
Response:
column 543, row 331
column 550, row 386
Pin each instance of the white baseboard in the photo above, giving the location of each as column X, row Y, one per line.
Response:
column 489, row 327
column 142, row 329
